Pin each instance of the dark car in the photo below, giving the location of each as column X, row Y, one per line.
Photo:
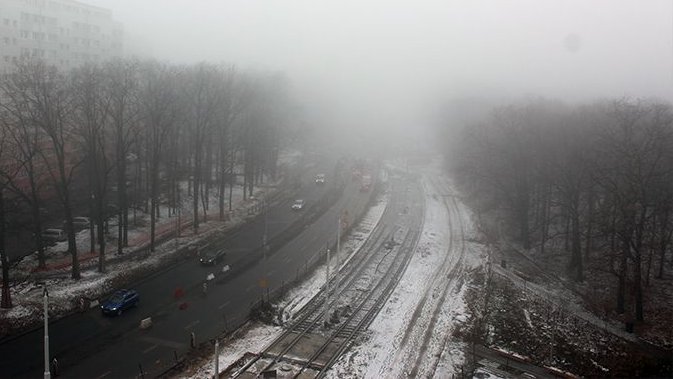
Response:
column 119, row 302
column 79, row 223
column 52, row 236
column 212, row 257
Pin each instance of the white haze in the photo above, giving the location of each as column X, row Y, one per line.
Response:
column 382, row 65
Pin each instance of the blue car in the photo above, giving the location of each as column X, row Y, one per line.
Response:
column 119, row 302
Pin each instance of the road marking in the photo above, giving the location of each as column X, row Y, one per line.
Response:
column 192, row 324
column 163, row 342
column 104, row 374
column 224, row 304
column 288, row 259
column 150, row 349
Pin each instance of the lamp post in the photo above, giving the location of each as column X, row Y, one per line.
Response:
column 45, row 294
column 217, row 361
column 326, row 320
column 266, row 225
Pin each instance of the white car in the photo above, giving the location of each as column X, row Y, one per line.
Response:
column 298, row 204
column 320, row 179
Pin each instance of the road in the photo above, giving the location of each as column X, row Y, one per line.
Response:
column 90, row 345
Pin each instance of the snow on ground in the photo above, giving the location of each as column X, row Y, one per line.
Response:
column 256, row 336
column 562, row 298
column 384, row 352
column 65, row 292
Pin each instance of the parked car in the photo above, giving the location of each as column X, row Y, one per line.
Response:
column 52, row 236
column 119, row 302
column 79, row 223
column 320, row 179
column 298, row 204
column 212, row 257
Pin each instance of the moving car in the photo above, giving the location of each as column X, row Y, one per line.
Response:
column 320, row 179
column 298, row 204
column 119, row 302
column 52, row 236
column 212, row 257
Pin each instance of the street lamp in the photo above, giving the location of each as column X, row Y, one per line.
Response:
column 45, row 295
column 266, row 225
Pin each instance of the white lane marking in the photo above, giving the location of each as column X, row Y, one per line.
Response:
column 104, row 374
column 224, row 304
column 192, row 324
column 150, row 349
column 288, row 260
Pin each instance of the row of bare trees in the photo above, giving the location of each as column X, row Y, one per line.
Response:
column 126, row 134
column 594, row 182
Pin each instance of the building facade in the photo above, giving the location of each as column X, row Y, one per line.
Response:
column 65, row 33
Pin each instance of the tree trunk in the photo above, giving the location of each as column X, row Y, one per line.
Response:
column 621, row 286
column 664, row 236
column 637, row 283
column 6, row 293
column 575, row 268
column 588, row 243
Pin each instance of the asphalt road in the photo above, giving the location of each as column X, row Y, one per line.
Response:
column 90, row 345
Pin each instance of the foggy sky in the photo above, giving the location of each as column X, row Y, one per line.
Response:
column 382, row 62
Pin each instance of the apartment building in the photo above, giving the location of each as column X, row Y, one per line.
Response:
column 65, row 33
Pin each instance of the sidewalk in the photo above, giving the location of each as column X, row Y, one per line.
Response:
column 166, row 228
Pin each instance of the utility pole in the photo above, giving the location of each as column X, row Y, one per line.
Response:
column 217, row 361
column 326, row 321
column 45, row 294
column 266, row 225
column 338, row 247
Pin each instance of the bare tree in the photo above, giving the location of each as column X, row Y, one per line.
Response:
column 91, row 107
column 202, row 92
column 121, row 83
column 48, row 101
column 160, row 111
column 23, row 170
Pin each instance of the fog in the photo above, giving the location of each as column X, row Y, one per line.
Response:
column 385, row 65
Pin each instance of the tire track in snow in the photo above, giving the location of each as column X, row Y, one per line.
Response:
column 427, row 312
column 448, row 281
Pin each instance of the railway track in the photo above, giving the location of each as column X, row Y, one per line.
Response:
column 419, row 356
column 309, row 346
